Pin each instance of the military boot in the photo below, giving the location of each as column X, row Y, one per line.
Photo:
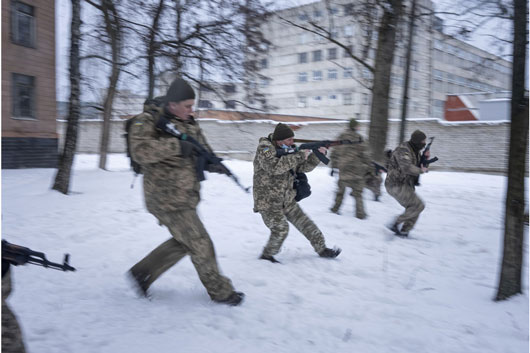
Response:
column 234, row 299
column 269, row 258
column 330, row 253
column 139, row 283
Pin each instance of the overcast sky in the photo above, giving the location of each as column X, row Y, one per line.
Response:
column 482, row 39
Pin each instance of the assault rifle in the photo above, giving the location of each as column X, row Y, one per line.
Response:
column 19, row 255
column 424, row 161
column 205, row 157
column 313, row 145
column 378, row 168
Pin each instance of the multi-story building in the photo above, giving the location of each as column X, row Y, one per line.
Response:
column 311, row 76
column 29, row 136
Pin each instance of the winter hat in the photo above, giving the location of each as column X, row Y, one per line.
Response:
column 417, row 137
column 353, row 124
column 282, row 132
column 178, row 91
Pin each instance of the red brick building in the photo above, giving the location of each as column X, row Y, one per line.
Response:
column 29, row 133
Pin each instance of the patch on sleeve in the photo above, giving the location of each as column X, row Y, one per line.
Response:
column 266, row 149
column 138, row 123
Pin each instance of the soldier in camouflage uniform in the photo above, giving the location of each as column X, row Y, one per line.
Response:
column 11, row 334
column 400, row 181
column 353, row 164
column 171, row 191
column 274, row 195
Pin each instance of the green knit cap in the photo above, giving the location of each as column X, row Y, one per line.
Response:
column 282, row 132
column 417, row 136
column 353, row 124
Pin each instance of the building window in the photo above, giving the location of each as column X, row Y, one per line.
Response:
column 302, row 101
column 302, row 77
column 366, row 99
column 317, row 55
column 229, row 88
column 22, row 24
column 302, row 58
column 23, row 96
column 317, row 13
column 332, row 74
column 317, row 98
column 347, row 99
column 264, row 63
column 348, row 31
column 332, row 96
column 348, row 54
column 348, row 72
column 231, row 104
column 317, row 75
column 332, row 53
column 349, row 9
column 203, row 103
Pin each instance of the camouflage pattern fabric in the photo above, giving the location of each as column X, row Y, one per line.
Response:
column 406, row 196
column 276, row 221
column 189, row 238
column 170, row 181
column 373, row 183
column 273, row 180
column 274, row 195
column 11, row 333
column 399, row 183
column 171, row 191
column 353, row 163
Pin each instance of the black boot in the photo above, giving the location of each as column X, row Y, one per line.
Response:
column 330, row 253
column 139, row 283
column 234, row 299
column 269, row 258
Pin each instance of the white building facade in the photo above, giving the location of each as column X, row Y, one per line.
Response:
column 311, row 76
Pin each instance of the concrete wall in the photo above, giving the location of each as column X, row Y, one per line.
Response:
column 462, row 146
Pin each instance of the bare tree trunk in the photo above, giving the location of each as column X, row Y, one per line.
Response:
column 62, row 178
column 152, row 47
column 405, row 101
column 114, row 31
column 512, row 260
column 386, row 44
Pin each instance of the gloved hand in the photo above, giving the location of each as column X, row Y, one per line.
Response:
column 186, row 148
column 216, row 168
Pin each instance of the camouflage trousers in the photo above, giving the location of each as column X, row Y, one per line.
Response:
column 11, row 333
column 189, row 238
column 356, row 186
column 373, row 183
column 276, row 221
column 406, row 196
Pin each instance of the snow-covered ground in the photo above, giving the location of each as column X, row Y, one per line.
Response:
column 431, row 293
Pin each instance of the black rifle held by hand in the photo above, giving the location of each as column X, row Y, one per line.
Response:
column 204, row 157
column 19, row 255
column 424, row 162
column 314, row 145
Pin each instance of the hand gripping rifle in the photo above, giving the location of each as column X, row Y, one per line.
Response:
column 314, row 145
column 19, row 255
column 424, row 161
column 205, row 157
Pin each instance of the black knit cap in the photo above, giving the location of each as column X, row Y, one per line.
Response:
column 282, row 132
column 417, row 137
column 179, row 91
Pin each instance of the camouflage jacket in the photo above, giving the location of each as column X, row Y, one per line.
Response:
column 170, row 181
column 273, row 179
column 403, row 166
column 352, row 160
